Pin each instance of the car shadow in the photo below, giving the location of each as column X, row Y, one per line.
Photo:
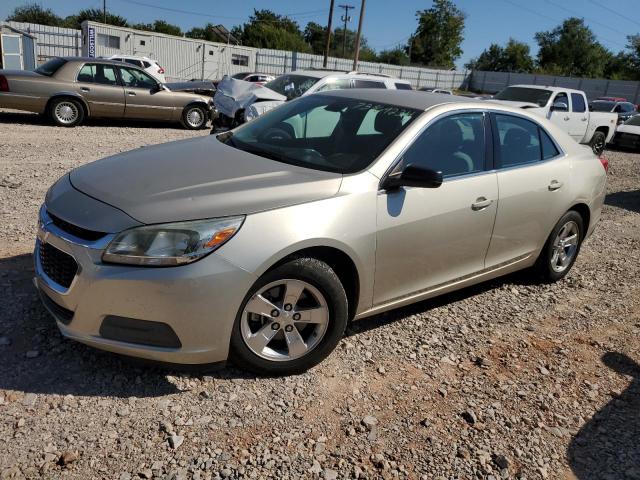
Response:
column 629, row 200
column 26, row 118
column 608, row 445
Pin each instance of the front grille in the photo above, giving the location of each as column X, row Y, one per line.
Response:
column 58, row 311
column 75, row 230
column 57, row 265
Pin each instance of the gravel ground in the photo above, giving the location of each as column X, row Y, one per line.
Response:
column 507, row 379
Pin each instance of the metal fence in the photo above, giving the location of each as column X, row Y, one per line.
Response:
column 52, row 41
column 491, row 82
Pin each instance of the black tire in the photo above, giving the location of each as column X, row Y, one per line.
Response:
column 324, row 279
column 543, row 266
column 58, row 109
column 598, row 142
column 194, row 117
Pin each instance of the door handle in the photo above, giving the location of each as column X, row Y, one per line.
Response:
column 85, row 89
column 555, row 185
column 131, row 94
column 481, row 203
column 584, row 119
column 566, row 119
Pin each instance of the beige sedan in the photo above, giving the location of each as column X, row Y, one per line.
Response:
column 71, row 89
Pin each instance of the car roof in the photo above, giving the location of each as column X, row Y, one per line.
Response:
column 549, row 87
column 133, row 57
column 93, row 60
column 400, row 98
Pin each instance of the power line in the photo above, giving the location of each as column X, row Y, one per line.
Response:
column 573, row 12
column 615, row 12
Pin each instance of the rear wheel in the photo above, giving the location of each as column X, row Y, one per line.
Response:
column 66, row 112
column 562, row 247
column 598, row 142
column 194, row 117
column 291, row 319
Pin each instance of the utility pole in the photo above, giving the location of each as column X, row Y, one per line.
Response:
column 357, row 52
column 345, row 18
column 104, row 11
column 327, row 44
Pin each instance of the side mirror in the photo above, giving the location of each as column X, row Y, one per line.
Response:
column 413, row 176
column 560, row 107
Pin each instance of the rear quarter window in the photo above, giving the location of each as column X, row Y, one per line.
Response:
column 403, row 86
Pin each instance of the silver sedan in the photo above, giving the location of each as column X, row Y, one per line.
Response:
column 262, row 243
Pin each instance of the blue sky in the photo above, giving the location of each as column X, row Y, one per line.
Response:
column 389, row 23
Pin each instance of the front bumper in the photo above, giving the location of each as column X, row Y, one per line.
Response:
column 198, row 301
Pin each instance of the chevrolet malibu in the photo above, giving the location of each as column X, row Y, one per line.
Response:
column 262, row 243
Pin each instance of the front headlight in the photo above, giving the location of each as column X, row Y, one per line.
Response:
column 250, row 113
column 171, row 244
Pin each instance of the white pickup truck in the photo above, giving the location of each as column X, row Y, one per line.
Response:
column 566, row 108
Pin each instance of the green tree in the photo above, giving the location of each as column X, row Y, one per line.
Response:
column 34, row 13
column 94, row 15
column 572, row 49
column 159, row 26
column 266, row 29
column 439, row 35
column 514, row 57
column 394, row 56
column 315, row 36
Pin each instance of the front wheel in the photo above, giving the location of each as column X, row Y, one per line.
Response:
column 562, row 247
column 291, row 319
column 194, row 117
column 598, row 142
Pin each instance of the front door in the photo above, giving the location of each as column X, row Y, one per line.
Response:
column 566, row 119
column 144, row 100
column 98, row 84
column 428, row 237
column 534, row 182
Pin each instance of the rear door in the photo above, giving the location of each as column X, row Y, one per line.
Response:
column 100, row 86
column 578, row 117
column 534, row 183
column 143, row 98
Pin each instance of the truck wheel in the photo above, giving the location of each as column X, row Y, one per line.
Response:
column 598, row 142
column 66, row 112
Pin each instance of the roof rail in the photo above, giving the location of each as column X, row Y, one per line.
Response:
column 355, row 72
column 326, row 69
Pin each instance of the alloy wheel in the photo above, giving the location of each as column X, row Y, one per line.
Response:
column 284, row 320
column 66, row 112
column 565, row 246
column 195, row 118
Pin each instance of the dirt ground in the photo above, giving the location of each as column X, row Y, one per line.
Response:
column 508, row 379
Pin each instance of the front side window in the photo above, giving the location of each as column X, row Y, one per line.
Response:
column 368, row 84
column 577, row 103
column 323, row 132
column 335, row 84
column 453, row 145
column 561, row 98
column 98, row 73
column 136, row 78
column 521, row 142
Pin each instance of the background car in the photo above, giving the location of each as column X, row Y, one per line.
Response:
column 252, row 77
column 628, row 134
column 436, row 90
column 262, row 243
column 624, row 109
column 71, row 89
column 150, row 66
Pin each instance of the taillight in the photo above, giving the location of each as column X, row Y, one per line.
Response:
column 605, row 163
column 4, row 84
column 160, row 69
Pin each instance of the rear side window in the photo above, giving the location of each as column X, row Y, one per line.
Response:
column 137, row 63
column 403, row 86
column 368, row 84
column 146, row 64
column 98, row 73
column 577, row 103
column 521, row 142
column 337, row 84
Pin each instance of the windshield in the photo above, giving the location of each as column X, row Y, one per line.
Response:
column 51, row 67
column 292, row 86
column 598, row 106
column 523, row 94
column 329, row 133
column 633, row 121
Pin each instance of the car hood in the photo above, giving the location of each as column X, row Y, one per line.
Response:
column 628, row 129
column 199, row 178
column 197, row 87
column 515, row 104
